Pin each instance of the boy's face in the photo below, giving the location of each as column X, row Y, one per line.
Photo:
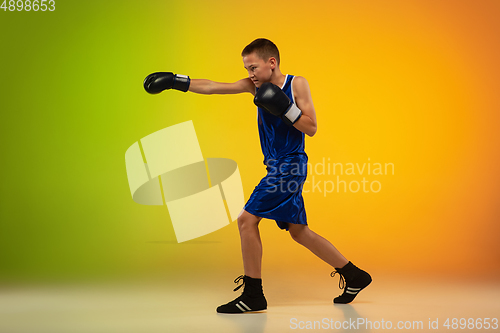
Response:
column 259, row 71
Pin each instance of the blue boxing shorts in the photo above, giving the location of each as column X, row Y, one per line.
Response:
column 278, row 196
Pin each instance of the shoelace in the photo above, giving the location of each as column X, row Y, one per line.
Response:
column 237, row 280
column 341, row 279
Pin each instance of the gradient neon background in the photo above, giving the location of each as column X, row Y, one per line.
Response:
column 413, row 83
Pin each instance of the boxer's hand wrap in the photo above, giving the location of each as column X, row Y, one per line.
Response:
column 181, row 82
column 159, row 81
column 272, row 99
column 291, row 116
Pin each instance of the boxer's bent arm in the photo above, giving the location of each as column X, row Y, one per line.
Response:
column 302, row 93
column 208, row 87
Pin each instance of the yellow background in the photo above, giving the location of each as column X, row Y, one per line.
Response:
column 413, row 83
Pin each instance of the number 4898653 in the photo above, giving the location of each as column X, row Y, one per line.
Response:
column 28, row 5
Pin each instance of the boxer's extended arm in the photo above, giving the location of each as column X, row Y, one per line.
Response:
column 160, row 81
column 208, row 87
column 302, row 94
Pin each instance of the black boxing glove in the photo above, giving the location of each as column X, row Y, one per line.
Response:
column 157, row 82
column 272, row 99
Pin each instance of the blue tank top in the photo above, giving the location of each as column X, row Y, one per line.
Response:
column 282, row 145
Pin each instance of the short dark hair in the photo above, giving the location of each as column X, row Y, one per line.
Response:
column 264, row 49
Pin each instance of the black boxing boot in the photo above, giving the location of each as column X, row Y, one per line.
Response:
column 352, row 280
column 252, row 298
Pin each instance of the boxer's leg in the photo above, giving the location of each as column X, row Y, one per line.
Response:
column 318, row 245
column 251, row 245
column 252, row 298
column 354, row 278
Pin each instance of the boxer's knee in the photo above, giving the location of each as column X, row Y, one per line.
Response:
column 298, row 232
column 247, row 220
